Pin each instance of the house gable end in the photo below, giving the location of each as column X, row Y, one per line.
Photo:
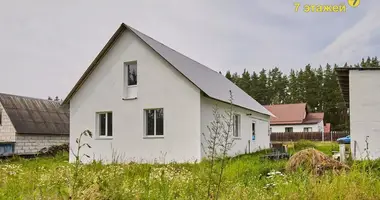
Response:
column 103, row 53
column 193, row 71
column 159, row 86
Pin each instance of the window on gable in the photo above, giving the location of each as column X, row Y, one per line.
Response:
column 104, row 124
column 130, row 80
column 236, row 126
column 154, row 122
column 132, row 74
column 1, row 117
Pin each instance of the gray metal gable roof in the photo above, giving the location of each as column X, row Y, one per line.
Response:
column 212, row 83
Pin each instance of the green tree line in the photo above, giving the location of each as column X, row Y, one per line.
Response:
column 318, row 87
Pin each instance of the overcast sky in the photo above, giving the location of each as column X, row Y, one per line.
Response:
column 45, row 46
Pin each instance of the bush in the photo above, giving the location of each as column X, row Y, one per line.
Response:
column 304, row 144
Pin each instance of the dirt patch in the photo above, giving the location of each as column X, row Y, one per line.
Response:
column 314, row 161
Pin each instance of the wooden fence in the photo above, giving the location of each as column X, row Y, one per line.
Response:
column 313, row 136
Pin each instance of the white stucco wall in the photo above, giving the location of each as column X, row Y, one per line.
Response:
column 365, row 112
column 7, row 131
column 241, row 145
column 159, row 86
column 299, row 128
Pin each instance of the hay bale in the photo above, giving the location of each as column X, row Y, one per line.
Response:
column 314, row 161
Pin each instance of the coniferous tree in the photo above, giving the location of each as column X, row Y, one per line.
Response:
column 301, row 79
column 262, row 93
column 245, row 82
column 363, row 63
column 228, row 75
column 310, row 88
column 374, row 62
column 254, row 85
column 293, row 91
column 235, row 78
column 283, row 88
column 320, row 78
column 276, row 86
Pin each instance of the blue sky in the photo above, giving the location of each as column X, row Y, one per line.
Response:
column 45, row 46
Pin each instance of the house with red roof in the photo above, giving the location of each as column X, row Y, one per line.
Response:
column 295, row 118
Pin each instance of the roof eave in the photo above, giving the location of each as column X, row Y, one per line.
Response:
column 269, row 113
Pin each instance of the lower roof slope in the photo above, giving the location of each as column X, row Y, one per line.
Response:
column 35, row 116
column 313, row 118
column 212, row 83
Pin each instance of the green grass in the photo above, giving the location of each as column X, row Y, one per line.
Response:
column 246, row 177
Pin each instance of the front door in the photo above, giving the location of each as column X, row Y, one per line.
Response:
column 252, row 142
column 253, row 130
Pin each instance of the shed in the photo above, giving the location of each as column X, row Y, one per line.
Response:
column 29, row 124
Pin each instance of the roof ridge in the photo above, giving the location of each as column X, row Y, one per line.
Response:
column 40, row 99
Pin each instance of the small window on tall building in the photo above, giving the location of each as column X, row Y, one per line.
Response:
column 132, row 74
column 236, row 126
column 154, row 122
column 104, row 124
column 130, row 80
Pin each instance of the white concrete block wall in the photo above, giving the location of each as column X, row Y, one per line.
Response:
column 7, row 131
column 31, row 144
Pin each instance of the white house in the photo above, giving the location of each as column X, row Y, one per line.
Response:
column 295, row 118
column 28, row 124
column 146, row 102
column 360, row 89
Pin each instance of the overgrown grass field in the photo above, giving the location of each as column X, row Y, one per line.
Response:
column 245, row 177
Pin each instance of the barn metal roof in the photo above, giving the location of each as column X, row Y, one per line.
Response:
column 213, row 84
column 343, row 74
column 35, row 116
